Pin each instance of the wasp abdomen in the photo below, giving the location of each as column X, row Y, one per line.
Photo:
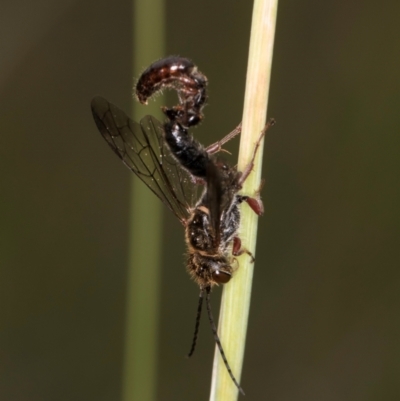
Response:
column 182, row 75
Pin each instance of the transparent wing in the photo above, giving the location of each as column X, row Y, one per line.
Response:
column 142, row 149
column 212, row 200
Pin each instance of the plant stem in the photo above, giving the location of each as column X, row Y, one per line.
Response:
column 236, row 295
column 143, row 287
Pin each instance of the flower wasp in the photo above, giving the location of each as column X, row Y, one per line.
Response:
column 174, row 165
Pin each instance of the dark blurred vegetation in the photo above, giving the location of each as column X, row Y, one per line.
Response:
column 324, row 322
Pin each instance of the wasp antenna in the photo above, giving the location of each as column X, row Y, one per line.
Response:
column 217, row 340
column 196, row 328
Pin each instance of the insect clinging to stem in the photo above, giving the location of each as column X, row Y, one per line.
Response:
column 174, row 165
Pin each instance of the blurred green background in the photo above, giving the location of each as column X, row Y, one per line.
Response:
column 324, row 321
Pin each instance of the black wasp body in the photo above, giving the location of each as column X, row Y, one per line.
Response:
column 174, row 165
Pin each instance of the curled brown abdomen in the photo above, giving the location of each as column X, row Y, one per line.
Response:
column 182, row 75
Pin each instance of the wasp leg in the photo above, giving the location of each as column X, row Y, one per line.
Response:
column 238, row 250
column 217, row 146
column 255, row 202
column 248, row 169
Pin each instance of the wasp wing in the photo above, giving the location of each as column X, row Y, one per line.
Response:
column 212, row 199
column 142, row 149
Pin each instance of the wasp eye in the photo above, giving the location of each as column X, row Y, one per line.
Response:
column 221, row 277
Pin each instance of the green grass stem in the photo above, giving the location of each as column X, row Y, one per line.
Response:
column 143, row 287
column 235, row 302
